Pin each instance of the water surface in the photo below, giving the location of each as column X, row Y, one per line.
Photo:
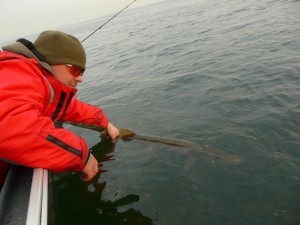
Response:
column 218, row 73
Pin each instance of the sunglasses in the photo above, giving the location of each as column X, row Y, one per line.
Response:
column 75, row 70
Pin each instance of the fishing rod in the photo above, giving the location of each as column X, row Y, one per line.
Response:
column 108, row 21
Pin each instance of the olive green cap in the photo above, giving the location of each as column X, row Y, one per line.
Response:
column 61, row 48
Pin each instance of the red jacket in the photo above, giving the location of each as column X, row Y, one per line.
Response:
column 31, row 100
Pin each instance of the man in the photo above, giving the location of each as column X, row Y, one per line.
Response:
column 37, row 87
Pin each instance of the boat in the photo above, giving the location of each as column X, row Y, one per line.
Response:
column 24, row 197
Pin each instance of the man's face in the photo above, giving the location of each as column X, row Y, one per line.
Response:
column 65, row 74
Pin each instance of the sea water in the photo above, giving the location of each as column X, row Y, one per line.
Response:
column 214, row 72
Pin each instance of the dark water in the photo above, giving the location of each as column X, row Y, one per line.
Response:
column 221, row 73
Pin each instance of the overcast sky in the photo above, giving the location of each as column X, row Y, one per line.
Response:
column 19, row 18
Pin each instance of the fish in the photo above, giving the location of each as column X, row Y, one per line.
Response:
column 209, row 152
column 213, row 153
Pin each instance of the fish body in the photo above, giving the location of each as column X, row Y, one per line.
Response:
column 210, row 152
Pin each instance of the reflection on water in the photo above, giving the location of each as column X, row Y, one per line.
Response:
column 77, row 202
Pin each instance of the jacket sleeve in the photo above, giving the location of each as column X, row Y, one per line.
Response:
column 80, row 112
column 26, row 136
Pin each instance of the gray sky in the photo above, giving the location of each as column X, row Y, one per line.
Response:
column 19, row 18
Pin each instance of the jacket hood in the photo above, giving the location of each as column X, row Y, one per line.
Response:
column 27, row 49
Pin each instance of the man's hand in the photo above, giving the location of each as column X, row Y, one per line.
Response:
column 90, row 169
column 112, row 131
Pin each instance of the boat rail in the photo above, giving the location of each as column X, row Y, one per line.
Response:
column 38, row 201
